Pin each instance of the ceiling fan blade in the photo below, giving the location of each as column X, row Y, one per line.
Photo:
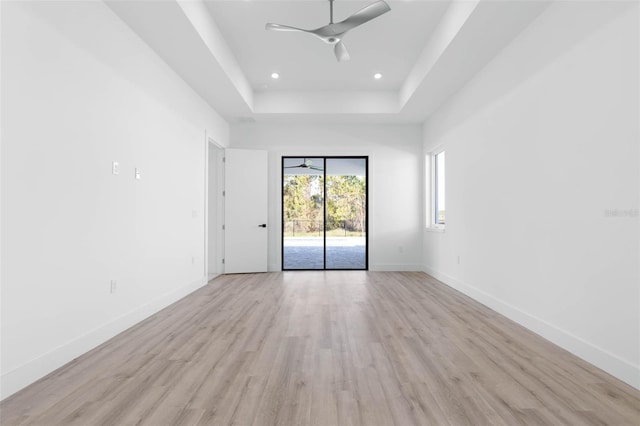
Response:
column 332, row 33
column 363, row 15
column 341, row 52
column 278, row 27
column 316, row 168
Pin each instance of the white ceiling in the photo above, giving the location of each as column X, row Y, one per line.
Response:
column 389, row 44
column 425, row 49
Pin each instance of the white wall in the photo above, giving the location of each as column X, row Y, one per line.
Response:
column 395, row 183
column 80, row 90
column 540, row 145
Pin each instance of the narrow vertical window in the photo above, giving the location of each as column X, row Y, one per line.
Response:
column 439, row 210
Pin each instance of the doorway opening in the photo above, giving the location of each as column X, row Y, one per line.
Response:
column 325, row 213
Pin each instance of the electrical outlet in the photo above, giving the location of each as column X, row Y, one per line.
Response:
column 114, row 286
column 115, row 168
column 138, row 174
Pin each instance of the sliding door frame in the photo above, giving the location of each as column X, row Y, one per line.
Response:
column 324, row 208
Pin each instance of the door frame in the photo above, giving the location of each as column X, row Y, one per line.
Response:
column 324, row 234
column 218, row 223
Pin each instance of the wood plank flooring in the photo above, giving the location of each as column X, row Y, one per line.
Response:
column 326, row 348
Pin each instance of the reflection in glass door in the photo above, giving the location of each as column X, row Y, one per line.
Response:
column 324, row 213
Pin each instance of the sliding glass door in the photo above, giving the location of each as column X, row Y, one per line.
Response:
column 324, row 213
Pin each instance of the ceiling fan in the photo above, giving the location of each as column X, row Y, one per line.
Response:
column 333, row 33
column 306, row 164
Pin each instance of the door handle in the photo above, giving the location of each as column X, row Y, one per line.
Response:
column 264, row 225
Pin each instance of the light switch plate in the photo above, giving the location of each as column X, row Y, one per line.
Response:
column 138, row 174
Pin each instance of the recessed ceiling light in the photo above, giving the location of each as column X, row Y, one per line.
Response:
column 275, row 75
column 377, row 76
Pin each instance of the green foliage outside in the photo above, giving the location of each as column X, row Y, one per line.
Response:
column 303, row 205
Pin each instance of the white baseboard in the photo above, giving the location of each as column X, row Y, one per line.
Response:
column 617, row 367
column 37, row 368
column 407, row 267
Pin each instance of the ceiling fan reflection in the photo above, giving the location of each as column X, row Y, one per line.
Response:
column 306, row 164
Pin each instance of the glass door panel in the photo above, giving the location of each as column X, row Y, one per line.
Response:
column 346, row 213
column 303, row 213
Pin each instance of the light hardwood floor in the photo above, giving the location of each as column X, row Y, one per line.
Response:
column 324, row 348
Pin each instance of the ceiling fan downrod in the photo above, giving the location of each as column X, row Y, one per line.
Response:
column 331, row 11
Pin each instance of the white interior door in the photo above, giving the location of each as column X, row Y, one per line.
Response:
column 245, row 211
column 215, row 210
